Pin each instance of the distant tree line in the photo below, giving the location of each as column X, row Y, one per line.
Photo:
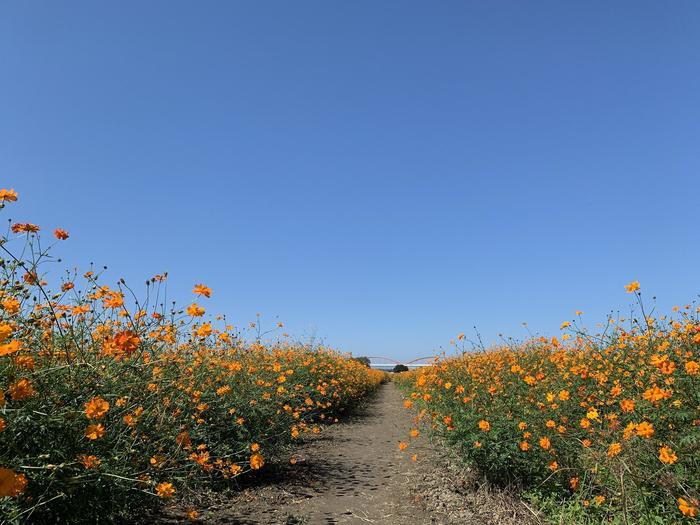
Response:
column 365, row 361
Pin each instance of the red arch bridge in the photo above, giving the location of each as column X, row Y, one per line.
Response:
column 387, row 362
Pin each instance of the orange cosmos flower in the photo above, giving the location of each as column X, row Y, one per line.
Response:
column 484, row 425
column 93, row 432
column 30, row 278
column 127, row 341
column 573, row 483
column 11, row 483
column 414, row 433
column 80, row 310
column 545, row 443
column 627, row 405
column 201, row 289
column 115, row 300
column 667, row 367
column 632, row 287
column 88, row 461
column 204, row 331
column 692, row 368
column 688, row 508
column 60, row 234
column 124, row 342
column 403, row 445
column 195, row 310
column 25, row 228
column 183, row 439
column 667, row 455
column 614, row 449
column 655, row 394
column 5, row 331
column 223, row 390
column 645, row 429
column 8, row 195
column 165, row 490
column 24, row 361
column 96, row 408
column 10, row 348
column 11, row 305
column 629, row 431
column 256, row 461
column 21, row 389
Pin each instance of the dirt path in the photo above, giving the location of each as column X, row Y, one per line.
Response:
column 365, row 475
column 355, row 473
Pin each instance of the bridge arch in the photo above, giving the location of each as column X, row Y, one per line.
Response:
column 428, row 360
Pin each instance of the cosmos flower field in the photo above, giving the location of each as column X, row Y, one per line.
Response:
column 605, row 426
column 111, row 404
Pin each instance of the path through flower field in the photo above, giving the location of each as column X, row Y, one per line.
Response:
column 354, row 472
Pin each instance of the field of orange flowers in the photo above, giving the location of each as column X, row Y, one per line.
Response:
column 594, row 428
column 110, row 404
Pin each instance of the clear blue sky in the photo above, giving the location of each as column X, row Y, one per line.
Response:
column 384, row 174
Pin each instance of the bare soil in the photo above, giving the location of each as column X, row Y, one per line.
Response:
column 354, row 473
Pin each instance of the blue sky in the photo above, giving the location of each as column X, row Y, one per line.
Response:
column 384, row 175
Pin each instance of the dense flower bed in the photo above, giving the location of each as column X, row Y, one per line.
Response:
column 109, row 404
column 608, row 425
